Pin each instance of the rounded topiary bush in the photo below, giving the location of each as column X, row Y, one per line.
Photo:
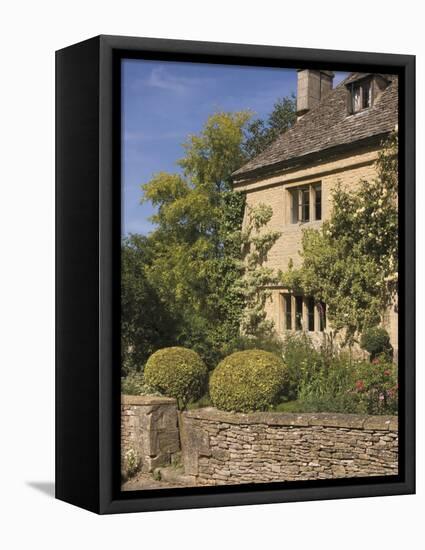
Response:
column 376, row 340
column 250, row 380
column 176, row 372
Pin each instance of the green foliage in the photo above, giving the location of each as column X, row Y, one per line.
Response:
column 302, row 361
column 261, row 133
column 204, row 401
column 377, row 386
column 145, row 323
column 195, row 246
column 181, row 283
column 176, row 372
column 271, row 343
column 256, row 278
column 132, row 463
column 156, row 474
column 134, row 384
column 247, row 381
column 296, row 350
column 376, row 341
column 328, row 389
column 288, row 407
column 351, row 263
column 351, row 387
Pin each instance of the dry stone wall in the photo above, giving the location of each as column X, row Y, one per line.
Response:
column 149, row 431
column 225, row 448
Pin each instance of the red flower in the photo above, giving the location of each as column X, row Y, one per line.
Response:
column 360, row 385
column 387, row 372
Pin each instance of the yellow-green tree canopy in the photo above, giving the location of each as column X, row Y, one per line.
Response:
column 195, row 250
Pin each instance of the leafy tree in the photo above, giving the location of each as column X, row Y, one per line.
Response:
column 180, row 282
column 351, row 263
column 261, row 133
column 145, row 323
column 195, row 251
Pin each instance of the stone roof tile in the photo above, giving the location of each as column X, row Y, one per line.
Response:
column 327, row 126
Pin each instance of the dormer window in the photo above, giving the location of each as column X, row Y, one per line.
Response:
column 361, row 95
column 363, row 91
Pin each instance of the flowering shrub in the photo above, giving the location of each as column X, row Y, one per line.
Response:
column 377, row 386
column 352, row 387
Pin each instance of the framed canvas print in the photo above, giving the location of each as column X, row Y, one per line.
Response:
column 235, row 274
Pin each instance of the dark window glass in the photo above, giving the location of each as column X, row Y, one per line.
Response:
column 356, row 98
column 361, row 96
column 298, row 312
column 305, row 204
column 310, row 309
column 318, row 202
column 294, row 206
column 288, row 311
column 301, row 204
column 322, row 315
column 367, row 95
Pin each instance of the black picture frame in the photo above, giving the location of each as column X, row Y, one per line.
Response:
column 88, row 210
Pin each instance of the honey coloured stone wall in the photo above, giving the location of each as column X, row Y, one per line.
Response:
column 345, row 169
column 227, row 448
column 149, row 431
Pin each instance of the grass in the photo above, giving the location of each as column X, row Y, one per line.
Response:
column 204, row 401
column 285, row 406
column 288, row 406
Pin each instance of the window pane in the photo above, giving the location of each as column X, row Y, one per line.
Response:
column 298, row 312
column 367, row 95
column 310, row 309
column 357, row 99
column 318, row 202
column 288, row 311
column 305, row 205
column 294, row 206
column 322, row 315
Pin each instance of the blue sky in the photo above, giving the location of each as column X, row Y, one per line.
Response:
column 163, row 102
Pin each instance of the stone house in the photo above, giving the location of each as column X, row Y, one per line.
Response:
column 336, row 139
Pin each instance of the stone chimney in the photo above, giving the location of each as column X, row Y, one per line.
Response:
column 312, row 86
